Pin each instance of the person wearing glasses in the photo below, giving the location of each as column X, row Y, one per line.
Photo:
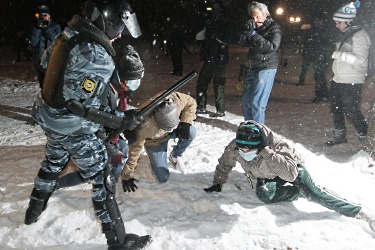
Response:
column 279, row 171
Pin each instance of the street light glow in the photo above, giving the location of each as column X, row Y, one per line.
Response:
column 279, row 11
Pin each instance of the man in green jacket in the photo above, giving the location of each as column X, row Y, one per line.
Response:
column 279, row 171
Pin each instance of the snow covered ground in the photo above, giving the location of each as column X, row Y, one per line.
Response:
column 179, row 214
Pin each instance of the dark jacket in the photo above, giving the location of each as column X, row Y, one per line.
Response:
column 318, row 43
column 41, row 39
column 215, row 47
column 264, row 46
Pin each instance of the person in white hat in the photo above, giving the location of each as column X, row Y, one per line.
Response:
column 350, row 62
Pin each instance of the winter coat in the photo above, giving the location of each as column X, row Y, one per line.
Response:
column 87, row 73
column 264, row 46
column 41, row 39
column 215, row 47
column 149, row 134
column 277, row 159
column 351, row 56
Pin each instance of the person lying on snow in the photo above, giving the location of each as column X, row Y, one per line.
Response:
column 279, row 171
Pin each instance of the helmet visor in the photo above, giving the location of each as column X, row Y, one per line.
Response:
column 131, row 23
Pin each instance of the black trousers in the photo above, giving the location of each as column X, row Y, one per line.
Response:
column 176, row 56
column 209, row 72
column 345, row 100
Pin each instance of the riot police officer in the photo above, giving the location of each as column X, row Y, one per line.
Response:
column 79, row 66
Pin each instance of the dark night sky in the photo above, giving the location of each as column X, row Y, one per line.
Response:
column 19, row 14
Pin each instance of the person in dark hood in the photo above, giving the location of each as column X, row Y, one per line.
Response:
column 279, row 171
column 216, row 37
column 70, row 109
column 317, row 50
column 263, row 37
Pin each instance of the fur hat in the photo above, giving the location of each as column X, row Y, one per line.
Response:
column 347, row 13
column 130, row 65
column 248, row 135
column 166, row 115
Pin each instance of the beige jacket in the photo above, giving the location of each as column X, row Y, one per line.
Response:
column 277, row 159
column 351, row 59
column 148, row 134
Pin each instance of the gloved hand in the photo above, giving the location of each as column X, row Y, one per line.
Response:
column 131, row 120
column 183, row 130
column 249, row 28
column 129, row 185
column 213, row 188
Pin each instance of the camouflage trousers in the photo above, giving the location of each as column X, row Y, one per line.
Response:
column 90, row 156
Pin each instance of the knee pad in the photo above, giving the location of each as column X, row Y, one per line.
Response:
column 110, row 205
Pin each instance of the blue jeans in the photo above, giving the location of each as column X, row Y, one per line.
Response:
column 158, row 154
column 257, row 90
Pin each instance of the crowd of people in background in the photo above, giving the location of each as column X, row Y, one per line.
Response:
column 78, row 106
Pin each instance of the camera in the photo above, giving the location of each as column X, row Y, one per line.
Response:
column 43, row 24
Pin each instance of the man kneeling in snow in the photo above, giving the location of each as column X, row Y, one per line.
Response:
column 171, row 119
column 280, row 173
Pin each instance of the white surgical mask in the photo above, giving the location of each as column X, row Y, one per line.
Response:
column 248, row 156
column 133, row 84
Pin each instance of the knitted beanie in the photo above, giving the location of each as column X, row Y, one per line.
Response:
column 347, row 13
column 166, row 115
column 130, row 66
column 248, row 136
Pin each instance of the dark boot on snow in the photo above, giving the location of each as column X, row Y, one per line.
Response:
column 339, row 136
column 123, row 241
column 36, row 207
column 132, row 242
column 362, row 140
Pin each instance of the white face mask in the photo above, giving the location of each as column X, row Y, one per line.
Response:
column 133, row 84
column 248, row 156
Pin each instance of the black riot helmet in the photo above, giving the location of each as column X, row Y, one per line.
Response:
column 112, row 16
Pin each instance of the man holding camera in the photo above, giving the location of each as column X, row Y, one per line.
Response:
column 42, row 35
column 263, row 37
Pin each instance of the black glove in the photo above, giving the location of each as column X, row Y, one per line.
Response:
column 129, row 185
column 213, row 188
column 183, row 130
column 248, row 29
column 131, row 120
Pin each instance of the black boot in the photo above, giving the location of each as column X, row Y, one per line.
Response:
column 362, row 140
column 36, row 207
column 339, row 136
column 131, row 242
